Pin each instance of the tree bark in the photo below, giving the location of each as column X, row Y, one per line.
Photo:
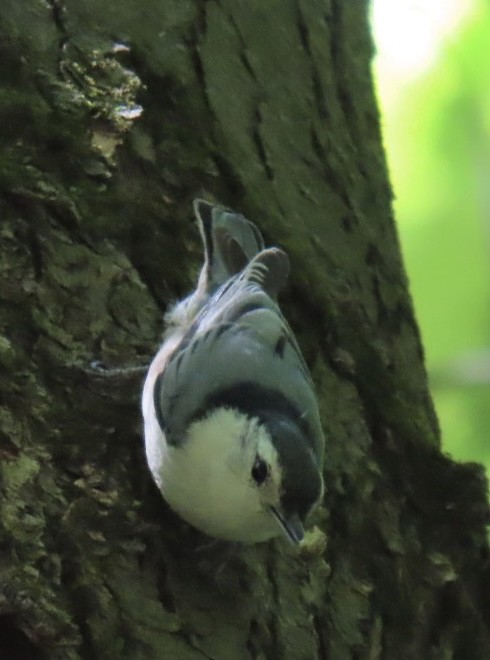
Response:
column 115, row 115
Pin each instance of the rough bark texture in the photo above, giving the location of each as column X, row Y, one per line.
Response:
column 267, row 107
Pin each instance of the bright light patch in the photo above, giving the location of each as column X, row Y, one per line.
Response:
column 410, row 33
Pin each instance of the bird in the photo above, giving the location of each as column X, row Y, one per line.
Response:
column 232, row 429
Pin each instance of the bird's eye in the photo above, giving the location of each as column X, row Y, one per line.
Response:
column 260, row 470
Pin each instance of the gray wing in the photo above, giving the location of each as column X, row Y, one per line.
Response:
column 240, row 338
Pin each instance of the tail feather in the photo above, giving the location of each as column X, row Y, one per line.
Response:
column 230, row 242
column 270, row 269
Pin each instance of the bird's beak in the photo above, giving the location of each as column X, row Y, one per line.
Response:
column 291, row 525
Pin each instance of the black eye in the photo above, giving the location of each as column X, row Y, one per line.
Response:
column 260, row 471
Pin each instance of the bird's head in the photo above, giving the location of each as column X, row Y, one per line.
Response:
column 245, row 478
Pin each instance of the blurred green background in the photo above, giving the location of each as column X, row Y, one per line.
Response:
column 433, row 79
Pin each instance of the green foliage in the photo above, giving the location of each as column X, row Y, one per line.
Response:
column 437, row 139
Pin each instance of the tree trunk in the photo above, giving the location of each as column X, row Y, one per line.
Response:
column 115, row 115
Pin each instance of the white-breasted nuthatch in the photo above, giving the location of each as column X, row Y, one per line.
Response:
column 232, row 429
